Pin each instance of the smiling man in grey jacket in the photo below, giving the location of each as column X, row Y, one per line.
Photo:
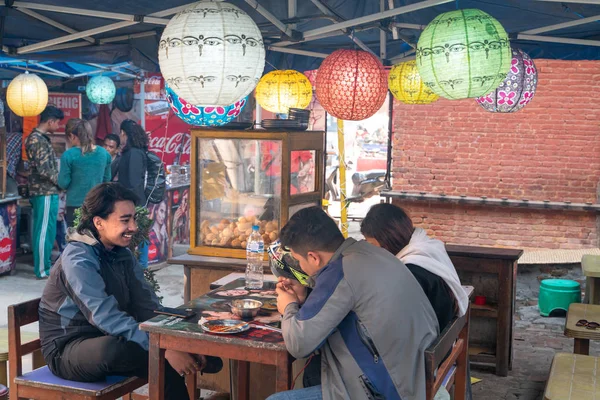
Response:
column 366, row 314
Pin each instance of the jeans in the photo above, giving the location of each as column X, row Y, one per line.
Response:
column 311, row 393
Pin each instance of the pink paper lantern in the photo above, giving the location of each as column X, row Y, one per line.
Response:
column 351, row 84
column 517, row 90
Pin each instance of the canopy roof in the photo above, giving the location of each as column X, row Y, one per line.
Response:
column 298, row 33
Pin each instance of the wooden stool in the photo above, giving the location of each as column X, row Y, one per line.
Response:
column 581, row 334
column 572, row 376
column 590, row 265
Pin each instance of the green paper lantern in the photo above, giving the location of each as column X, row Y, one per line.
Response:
column 463, row 53
column 100, row 90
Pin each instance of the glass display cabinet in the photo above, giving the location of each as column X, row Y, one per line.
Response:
column 245, row 178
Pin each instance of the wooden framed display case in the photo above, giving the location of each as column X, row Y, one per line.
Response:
column 245, row 178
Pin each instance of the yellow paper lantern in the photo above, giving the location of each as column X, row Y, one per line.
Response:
column 27, row 95
column 406, row 85
column 278, row 91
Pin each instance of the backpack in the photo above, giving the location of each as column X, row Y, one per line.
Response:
column 156, row 181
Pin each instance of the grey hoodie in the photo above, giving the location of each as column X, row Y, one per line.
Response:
column 93, row 292
column 372, row 323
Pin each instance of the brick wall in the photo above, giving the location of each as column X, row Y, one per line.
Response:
column 550, row 150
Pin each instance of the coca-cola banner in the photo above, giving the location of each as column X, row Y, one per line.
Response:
column 8, row 236
column 169, row 138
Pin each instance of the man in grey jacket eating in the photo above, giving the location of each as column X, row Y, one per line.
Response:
column 366, row 315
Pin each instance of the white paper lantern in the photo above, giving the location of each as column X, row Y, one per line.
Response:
column 212, row 54
column 27, row 95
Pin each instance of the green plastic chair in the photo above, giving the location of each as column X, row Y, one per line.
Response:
column 558, row 294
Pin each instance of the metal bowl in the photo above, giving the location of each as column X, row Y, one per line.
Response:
column 246, row 308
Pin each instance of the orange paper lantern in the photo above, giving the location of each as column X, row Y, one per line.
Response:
column 351, row 84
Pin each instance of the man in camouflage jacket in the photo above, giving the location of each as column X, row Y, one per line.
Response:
column 43, row 188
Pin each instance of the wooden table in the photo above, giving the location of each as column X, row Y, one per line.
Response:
column 590, row 265
column 581, row 334
column 255, row 345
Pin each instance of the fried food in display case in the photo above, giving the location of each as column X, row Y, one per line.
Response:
column 246, row 178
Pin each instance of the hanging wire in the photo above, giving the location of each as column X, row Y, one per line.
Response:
column 274, row 67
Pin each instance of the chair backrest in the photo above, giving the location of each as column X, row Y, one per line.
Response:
column 20, row 315
column 453, row 343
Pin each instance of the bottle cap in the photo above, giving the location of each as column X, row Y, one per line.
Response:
column 255, row 227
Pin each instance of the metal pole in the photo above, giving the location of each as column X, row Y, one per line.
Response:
column 342, row 161
column 553, row 39
column 74, row 36
column 375, row 17
column 299, row 52
column 143, row 103
column 382, row 35
column 273, row 19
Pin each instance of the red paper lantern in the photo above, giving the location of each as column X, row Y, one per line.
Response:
column 351, row 84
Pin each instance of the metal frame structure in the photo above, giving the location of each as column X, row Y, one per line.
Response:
column 74, row 38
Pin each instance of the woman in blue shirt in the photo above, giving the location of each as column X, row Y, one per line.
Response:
column 83, row 166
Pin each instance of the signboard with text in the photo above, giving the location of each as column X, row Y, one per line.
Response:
column 69, row 103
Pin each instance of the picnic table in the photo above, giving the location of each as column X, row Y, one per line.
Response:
column 253, row 346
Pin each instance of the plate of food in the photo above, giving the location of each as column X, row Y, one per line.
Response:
column 269, row 305
column 224, row 326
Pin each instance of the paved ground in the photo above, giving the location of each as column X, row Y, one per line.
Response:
column 536, row 338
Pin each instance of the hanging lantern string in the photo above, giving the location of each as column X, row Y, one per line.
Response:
column 274, row 67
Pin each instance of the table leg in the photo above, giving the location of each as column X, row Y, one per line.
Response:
column 582, row 346
column 192, row 386
column 156, row 369
column 243, row 379
column 284, row 377
column 187, row 283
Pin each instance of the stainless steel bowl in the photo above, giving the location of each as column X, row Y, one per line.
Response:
column 246, row 308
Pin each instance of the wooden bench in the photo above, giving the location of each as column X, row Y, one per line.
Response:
column 573, row 377
column 41, row 384
column 447, row 358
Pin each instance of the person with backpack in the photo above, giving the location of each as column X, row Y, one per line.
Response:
column 139, row 169
column 134, row 164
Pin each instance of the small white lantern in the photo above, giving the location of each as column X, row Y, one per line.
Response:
column 212, row 54
column 27, row 95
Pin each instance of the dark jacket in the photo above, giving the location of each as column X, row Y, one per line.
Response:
column 438, row 293
column 94, row 292
column 114, row 168
column 43, row 178
column 132, row 172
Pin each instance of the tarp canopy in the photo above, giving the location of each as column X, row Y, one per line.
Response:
column 128, row 31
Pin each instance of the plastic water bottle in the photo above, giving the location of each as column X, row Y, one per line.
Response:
column 255, row 251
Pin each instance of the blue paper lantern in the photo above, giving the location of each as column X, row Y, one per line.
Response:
column 204, row 116
column 101, row 90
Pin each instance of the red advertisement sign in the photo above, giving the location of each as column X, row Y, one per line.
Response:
column 154, row 87
column 8, row 236
column 169, row 136
column 69, row 103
